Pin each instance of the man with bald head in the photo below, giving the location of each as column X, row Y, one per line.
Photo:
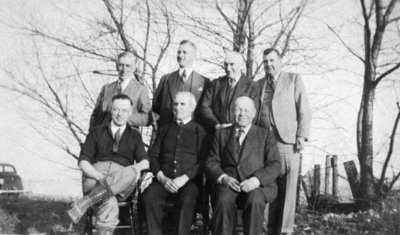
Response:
column 217, row 107
column 128, row 84
column 176, row 158
column 183, row 79
column 242, row 165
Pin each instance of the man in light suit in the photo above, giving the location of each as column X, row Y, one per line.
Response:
column 184, row 79
column 217, row 108
column 242, row 165
column 127, row 84
column 283, row 109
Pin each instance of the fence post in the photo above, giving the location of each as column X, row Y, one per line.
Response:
column 327, row 173
column 334, row 176
column 299, row 180
column 317, row 181
column 354, row 181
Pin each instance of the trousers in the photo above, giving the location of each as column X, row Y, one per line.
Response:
column 122, row 182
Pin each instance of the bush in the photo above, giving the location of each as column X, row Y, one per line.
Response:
column 7, row 222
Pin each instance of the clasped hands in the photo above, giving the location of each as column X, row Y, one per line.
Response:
column 245, row 186
column 172, row 185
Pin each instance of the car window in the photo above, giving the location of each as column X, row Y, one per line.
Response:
column 8, row 169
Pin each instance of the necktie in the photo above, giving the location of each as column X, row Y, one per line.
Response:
column 231, row 82
column 117, row 138
column 184, row 75
column 271, row 82
column 239, row 137
column 119, row 88
column 180, row 123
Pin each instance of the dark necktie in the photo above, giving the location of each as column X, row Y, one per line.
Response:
column 119, row 88
column 117, row 138
column 239, row 134
column 184, row 76
column 180, row 123
column 271, row 82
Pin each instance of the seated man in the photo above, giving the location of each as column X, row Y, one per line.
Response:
column 243, row 164
column 107, row 160
column 175, row 159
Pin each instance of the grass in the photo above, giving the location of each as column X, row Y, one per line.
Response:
column 27, row 215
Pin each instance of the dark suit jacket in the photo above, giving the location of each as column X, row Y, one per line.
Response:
column 179, row 150
column 214, row 109
column 166, row 90
column 259, row 157
column 141, row 106
column 290, row 107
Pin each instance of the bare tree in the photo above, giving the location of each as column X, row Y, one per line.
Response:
column 380, row 59
column 119, row 27
column 245, row 26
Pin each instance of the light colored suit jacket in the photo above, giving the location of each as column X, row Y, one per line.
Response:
column 259, row 157
column 141, row 106
column 290, row 108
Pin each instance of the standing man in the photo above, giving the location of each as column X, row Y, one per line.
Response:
column 107, row 160
column 242, row 164
column 176, row 159
column 217, row 108
column 184, row 79
column 126, row 84
column 284, row 110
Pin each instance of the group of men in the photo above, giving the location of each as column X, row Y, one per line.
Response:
column 246, row 136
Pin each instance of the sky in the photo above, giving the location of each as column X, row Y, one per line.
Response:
column 334, row 93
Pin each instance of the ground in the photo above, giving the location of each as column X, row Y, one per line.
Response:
column 28, row 214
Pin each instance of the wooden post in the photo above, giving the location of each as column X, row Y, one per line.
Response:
column 317, row 181
column 353, row 178
column 327, row 173
column 334, row 176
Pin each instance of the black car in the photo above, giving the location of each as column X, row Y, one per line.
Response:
column 10, row 181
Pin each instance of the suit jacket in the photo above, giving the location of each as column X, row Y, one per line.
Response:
column 166, row 90
column 141, row 106
column 290, row 109
column 179, row 150
column 259, row 157
column 214, row 109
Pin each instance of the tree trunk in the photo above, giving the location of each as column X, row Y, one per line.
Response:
column 239, row 36
column 365, row 155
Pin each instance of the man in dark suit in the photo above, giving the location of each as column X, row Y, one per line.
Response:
column 242, row 164
column 176, row 159
column 184, row 79
column 284, row 109
column 107, row 160
column 216, row 110
column 127, row 84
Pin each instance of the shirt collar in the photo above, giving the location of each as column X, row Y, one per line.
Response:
column 275, row 77
column 114, row 128
column 189, row 71
column 245, row 129
column 185, row 120
column 125, row 83
column 236, row 79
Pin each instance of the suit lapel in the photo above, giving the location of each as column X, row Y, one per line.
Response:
column 132, row 86
column 240, row 86
column 196, row 82
column 171, row 87
column 231, row 144
column 248, row 144
column 281, row 83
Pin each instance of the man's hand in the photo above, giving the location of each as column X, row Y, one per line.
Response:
column 249, row 184
column 231, row 183
column 181, row 180
column 223, row 125
column 168, row 184
column 300, row 141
